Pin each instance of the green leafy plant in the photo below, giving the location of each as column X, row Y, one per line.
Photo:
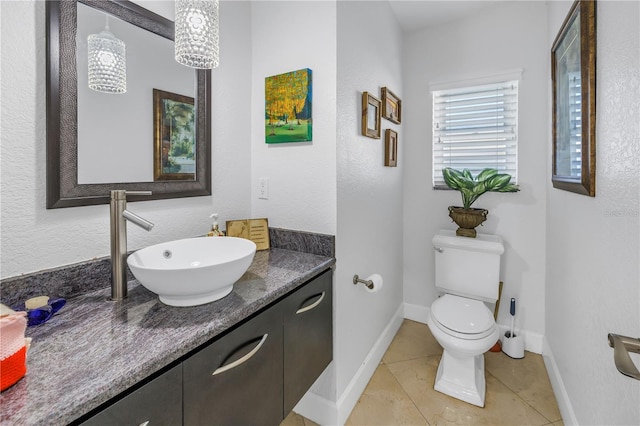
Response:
column 472, row 188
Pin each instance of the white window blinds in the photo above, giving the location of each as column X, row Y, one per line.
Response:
column 475, row 128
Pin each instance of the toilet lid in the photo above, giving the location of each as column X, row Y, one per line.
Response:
column 462, row 315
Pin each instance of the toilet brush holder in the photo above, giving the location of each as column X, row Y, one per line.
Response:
column 513, row 345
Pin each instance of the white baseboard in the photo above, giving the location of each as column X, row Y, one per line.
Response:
column 562, row 397
column 325, row 412
column 416, row 313
column 318, row 409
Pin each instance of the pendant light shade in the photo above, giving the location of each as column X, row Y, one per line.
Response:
column 107, row 62
column 197, row 33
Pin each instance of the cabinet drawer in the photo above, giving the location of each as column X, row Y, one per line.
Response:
column 246, row 388
column 308, row 337
column 158, row 402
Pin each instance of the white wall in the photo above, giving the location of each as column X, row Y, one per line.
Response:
column 34, row 238
column 593, row 273
column 370, row 195
column 509, row 36
column 289, row 36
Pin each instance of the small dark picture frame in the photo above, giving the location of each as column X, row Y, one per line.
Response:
column 573, row 73
column 391, row 106
column 370, row 116
column 390, row 148
column 174, row 137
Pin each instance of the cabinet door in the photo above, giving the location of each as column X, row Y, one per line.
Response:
column 237, row 380
column 308, row 337
column 158, row 402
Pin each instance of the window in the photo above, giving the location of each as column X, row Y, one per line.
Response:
column 475, row 128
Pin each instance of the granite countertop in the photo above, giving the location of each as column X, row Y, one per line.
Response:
column 94, row 349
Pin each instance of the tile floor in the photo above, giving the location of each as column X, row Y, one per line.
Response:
column 401, row 390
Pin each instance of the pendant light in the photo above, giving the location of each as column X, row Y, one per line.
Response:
column 107, row 62
column 197, row 33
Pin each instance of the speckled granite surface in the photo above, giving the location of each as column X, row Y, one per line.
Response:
column 306, row 242
column 72, row 280
column 94, row 349
column 65, row 281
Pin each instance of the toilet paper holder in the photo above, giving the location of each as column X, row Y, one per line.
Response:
column 368, row 283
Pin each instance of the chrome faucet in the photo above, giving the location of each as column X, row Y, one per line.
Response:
column 118, row 215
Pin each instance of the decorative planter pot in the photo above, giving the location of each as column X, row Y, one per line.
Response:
column 467, row 220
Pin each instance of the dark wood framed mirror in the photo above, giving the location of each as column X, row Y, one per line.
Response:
column 63, row 186
column 573, row 72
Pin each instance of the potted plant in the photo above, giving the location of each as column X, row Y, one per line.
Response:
column 471, row 188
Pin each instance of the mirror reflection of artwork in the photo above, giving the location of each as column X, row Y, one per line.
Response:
column 174, row 136
column 568, row 105
column 288, row 107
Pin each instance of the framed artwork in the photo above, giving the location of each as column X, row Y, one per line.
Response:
column 391, row 106
column 390, row 148
column 573, row 72
column 287, row 111
column 174, row 137
column 370, row 116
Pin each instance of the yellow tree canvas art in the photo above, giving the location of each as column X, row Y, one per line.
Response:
column 288, row 107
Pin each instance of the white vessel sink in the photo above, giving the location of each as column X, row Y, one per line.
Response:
column 192, row 271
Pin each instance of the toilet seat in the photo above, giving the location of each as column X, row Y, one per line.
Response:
column 461, row 317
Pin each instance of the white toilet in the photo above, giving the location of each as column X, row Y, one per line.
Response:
column 467, row 272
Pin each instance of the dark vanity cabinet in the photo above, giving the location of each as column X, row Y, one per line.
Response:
column 237, row 380
column 308, row 337
column 254, row 374
column 269, row 362
column 158, row 402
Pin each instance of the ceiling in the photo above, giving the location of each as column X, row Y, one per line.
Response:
column 417, row 14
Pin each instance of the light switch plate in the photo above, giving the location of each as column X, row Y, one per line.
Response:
column 263, row 189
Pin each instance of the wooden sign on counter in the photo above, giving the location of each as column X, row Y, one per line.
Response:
column 256, row 230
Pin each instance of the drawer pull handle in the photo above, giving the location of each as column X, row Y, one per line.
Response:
column 242, row 360
column 311, row 306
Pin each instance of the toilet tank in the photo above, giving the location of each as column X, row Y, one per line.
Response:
column 468, row 267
